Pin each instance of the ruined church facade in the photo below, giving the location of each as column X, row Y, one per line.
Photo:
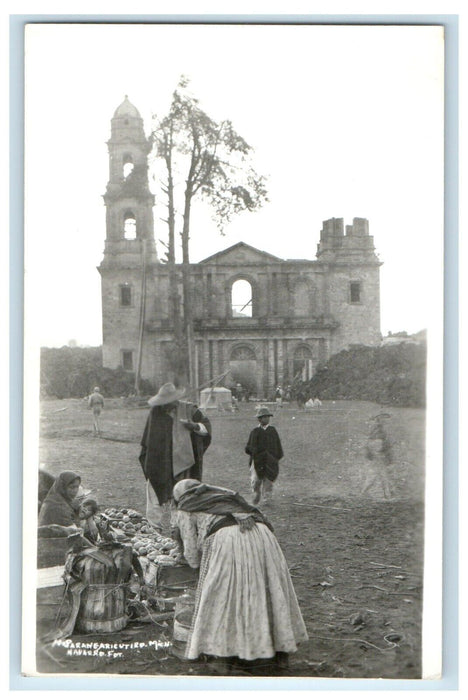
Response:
column 300, row 312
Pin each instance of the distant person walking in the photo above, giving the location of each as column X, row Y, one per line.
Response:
column 379, row 454
column 301, row 398
column 96, row 404
column 279, row 396
column 265, row 451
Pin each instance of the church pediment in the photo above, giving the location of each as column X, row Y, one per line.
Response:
column 241, row 253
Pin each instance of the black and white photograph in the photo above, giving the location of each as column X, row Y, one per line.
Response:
column 233, row 323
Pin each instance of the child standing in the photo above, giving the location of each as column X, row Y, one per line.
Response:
column 265, row 451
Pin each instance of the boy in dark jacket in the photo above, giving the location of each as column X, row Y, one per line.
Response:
column 265, row 451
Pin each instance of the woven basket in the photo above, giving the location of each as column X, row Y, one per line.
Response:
column 102, row 608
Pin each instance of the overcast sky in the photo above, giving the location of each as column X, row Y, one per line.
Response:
column 345, row 122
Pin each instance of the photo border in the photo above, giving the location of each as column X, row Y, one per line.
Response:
column 449, row 680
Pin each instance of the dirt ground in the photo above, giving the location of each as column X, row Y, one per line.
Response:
column 356, row 563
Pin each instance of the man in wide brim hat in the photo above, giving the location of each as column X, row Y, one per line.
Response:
column 175, row 438
column 168, row 393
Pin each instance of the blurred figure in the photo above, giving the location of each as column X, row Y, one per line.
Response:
column 96, row 404
column 379, row 454
column 279, row 396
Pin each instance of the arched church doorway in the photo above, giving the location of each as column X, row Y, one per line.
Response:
column 243, row 366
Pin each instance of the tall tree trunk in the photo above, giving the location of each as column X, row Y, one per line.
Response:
column 188, row 308
column 180, row 362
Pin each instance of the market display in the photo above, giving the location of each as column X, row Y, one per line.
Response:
column 128, row 525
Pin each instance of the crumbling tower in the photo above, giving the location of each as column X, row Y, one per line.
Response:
column 351, row 282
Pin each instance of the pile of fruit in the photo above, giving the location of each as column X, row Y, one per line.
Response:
column 128, row 525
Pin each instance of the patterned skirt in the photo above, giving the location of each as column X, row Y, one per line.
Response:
column 245, row 602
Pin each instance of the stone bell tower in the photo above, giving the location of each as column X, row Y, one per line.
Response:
column 130, row 251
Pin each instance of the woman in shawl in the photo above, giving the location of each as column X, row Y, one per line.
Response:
column 59, row 506
column 245, row 608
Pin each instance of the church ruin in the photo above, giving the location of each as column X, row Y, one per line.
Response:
column 296, row 314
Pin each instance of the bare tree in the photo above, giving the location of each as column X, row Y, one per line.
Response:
column 215, row 165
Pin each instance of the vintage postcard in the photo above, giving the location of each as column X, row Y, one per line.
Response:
column 233, row 351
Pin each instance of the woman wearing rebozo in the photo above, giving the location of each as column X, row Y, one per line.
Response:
column 63, row 510
column 245, row 604
column 60, row 506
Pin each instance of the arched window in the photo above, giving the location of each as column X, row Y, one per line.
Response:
column 241, row 353
column 241, row 299
column 127, row 165
column 302, row 365
column 129, row 226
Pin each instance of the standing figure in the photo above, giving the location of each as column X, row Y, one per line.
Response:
column 246, row 608
column 301, row 398
column 279, row 396
column 265, row 450
column 96, row 403
column 174, row 441
column 380, row 455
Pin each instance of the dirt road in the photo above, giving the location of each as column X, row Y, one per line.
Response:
column 356, row 562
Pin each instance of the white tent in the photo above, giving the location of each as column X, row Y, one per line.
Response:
column 217, row 398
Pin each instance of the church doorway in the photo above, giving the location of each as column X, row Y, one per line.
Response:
column 243, row 366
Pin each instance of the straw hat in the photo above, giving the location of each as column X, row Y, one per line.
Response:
column 263, row 411
column 167, row 394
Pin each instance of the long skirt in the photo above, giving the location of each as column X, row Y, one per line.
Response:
column 245, row 603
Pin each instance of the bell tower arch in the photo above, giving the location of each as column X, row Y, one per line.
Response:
column 129, row 202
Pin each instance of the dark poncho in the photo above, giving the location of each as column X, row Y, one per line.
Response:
column 265, row 450
column 156, row 451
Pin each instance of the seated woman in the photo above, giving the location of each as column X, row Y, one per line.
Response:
column 60, row 509
column 245, row 606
